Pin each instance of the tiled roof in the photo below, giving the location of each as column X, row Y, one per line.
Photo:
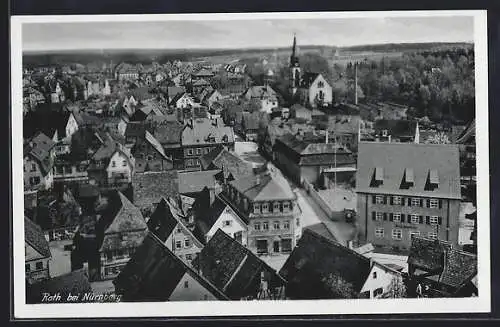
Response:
column 39, row 148
column 153, row 273
column 206, row 215
column 468, row 134
column 156, row 145
column 316, row 258
column 233, row 268
column 321, row 229
column 261, row 91
column 150, row 187
column 135, row 129
column 195, row 181
column 168, row 132
column 459, row 268
column 174, row 90
column 264, row 187
column 394, row 158
column 203, row 72
column 125, row 217
column 34, row 236
column 83, row 118
column 251, row 121
column 75, row 282
column 344, row 124
column 201, row 82
column 222, row 159
column 202, row 129
column 428, row 254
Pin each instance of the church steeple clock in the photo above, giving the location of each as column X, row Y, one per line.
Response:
column 294, row 68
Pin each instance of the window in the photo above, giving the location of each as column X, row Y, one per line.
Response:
column 186, row 284
column 379, row 216
column 178, row 244
column 384, row 132
column 286, row 225
column 433, row 203
column 396, row 200
column 179, row 230
column 265, row 207
column 256, row 226
column 397, row 234
column 298, row 222
column 379, row 199
column 124, row 163
column 256, row 208
column 379, row 232
column 286, row 245
column 276, row 225
column 190, row 152
column 33, row 167
column 414, row 233
column 415, row 202
column 414, row 219
column 27, row 267
column 276, row 206
column 187, row 243
column 265, row 225
column 321, row 84
column 432, row 235
column 286, row 206
column 113, row 163
column 434, row 220
column 227, row 223
column 39, row 265
column 198, row 151
column 396, row 217
column 189, row 257
column 374, row 275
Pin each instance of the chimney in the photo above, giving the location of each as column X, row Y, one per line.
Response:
column 326, row 136
column 350, row 245
column 257, row 180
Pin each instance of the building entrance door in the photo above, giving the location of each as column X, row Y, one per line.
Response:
column 276, row 246
column 261, row 246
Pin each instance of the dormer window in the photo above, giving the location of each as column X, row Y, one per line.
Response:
column 432, row 180
column 408, row 179
column 378, row 177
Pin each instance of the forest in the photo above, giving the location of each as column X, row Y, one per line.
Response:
column 435, row 83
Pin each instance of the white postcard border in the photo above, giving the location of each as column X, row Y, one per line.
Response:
column 253, row 308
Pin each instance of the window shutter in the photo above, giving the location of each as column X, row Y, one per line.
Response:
column 440, row 220
column 440, row 204
column 409, row 202
column 427, row 220
column 428, row 203
column 390, row 200
column 373, row 199
column 385, row 216
column 391, row 217
column 402, row 217
column 385, row 199
column 420, row 219
column 373, row 215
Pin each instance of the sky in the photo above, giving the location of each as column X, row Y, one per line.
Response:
column 244, row 33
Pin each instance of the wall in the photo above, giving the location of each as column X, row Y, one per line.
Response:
column 314, row 91
column 383, row 280
column 193, row 292
column 184, row 253
column 320, row 202
column 71, row 126
column 236, row 225
column 119, row 158
column 449, row 213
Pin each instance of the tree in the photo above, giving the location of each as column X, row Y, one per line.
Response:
column 438, row 138
column 396, row 289
column 338, row 287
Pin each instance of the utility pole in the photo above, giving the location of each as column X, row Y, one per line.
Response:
column 356, row 83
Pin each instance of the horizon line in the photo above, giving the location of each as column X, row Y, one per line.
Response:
column 469, row 42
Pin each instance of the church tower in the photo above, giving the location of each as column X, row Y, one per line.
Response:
column 294, row 68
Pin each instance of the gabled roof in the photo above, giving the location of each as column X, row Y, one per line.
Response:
column 203, row 72
column 260, row 91
column 153, row 273
column 202, row 129
column 317, row 258
column 321, row 229
column 124, row 217
column 428, row 254
column 201, row 82
column 150, row 187
column 177, row 97
column 39, row 148
column 34, row 236
column 308, row 78
column 459, row 268
column 394, row 158
column 75, row 282
column 83, row 118
column 251, row 121
column 156, row 145
column 233, row 268
column 165, row 218
column 222, row 159
column 264, row 187
column 168, row 132
column 174, row 90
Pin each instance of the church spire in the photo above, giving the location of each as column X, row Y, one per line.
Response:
column 294, row 60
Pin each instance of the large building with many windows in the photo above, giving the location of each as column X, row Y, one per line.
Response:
column 407, row 189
